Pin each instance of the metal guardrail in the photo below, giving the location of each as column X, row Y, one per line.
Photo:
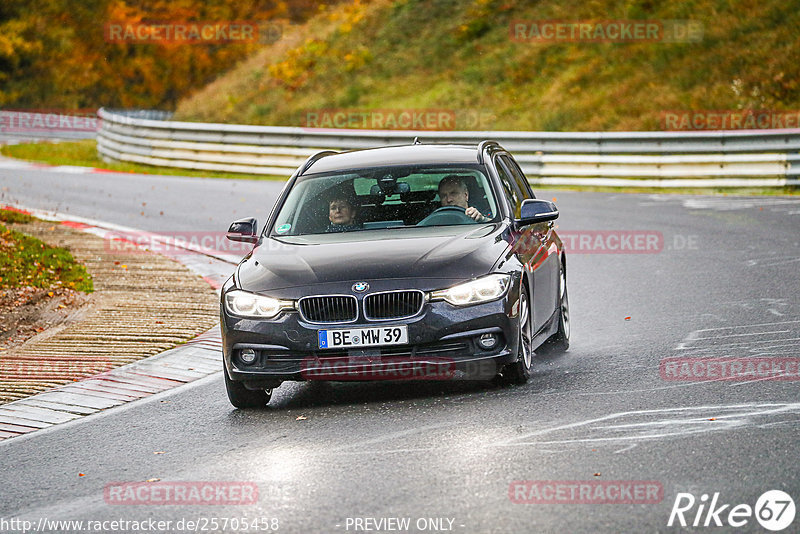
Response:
column 151, row 114
column 633, row 159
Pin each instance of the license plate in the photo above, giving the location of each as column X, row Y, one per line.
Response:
column 363, row 337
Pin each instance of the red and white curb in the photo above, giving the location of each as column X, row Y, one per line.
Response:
column 194, row 360
column 213, row 265
column 10, row 163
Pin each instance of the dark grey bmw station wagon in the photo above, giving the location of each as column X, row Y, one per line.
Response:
column 422, row 261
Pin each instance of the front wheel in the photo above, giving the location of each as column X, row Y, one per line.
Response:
column 559, row 342
column 241, row 397
column 520, row 371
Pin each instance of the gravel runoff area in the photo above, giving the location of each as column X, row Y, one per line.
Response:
column 143, row 304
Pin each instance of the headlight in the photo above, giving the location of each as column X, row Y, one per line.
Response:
column 484, row 289
column 251, row 305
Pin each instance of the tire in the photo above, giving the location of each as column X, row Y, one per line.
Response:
column 241, row 397
column 559, row 342
column 520, row 371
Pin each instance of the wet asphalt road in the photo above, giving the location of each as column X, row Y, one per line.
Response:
column 725, row 283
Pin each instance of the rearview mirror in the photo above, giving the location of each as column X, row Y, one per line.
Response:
column 388, row 185
column 244, row 230
column 535, row 211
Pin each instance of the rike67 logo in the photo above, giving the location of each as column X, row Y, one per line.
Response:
column 774, row 510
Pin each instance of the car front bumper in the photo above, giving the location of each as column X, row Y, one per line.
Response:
column 442, row 345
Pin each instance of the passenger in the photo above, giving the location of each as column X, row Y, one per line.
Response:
column 453, row 191
column 342, row 214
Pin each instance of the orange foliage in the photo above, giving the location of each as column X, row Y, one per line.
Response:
column 54, row 54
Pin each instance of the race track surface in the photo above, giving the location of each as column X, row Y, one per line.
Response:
column 724, row 282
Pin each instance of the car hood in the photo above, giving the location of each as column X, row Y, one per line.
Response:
column 452, row 252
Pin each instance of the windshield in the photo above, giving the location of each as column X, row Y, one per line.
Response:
column 386, row 197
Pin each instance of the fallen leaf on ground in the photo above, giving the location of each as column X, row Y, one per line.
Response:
column 301, row 418
column 153, row 479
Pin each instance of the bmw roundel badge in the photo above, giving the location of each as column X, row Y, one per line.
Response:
column 360, row 287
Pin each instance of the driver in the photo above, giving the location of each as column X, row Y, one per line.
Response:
column 453, row 191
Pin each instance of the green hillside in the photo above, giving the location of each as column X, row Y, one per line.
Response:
column 459, row 56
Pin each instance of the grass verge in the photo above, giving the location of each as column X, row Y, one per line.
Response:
column 84, row 154
column 719, row 191
column 27, row 261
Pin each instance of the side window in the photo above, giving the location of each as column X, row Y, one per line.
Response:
column 519, row 176
column 509, row 187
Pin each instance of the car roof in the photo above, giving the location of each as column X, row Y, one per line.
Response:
column 393, row 156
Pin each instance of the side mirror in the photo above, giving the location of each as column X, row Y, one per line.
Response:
column 244, row 230
column 535, row 211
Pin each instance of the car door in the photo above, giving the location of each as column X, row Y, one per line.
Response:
column 543, row 260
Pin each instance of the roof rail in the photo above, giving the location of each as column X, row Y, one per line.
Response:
column 312, row 159
column 483, row 145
